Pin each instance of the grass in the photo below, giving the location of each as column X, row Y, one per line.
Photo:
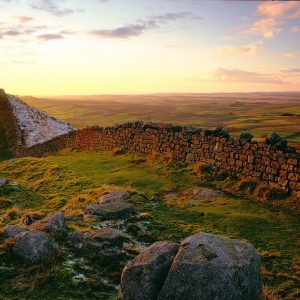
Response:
column 52, row 183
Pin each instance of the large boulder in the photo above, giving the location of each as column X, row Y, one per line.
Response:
column 10, row 231
column 53, row 224
column 208, row 266
column 34, row 246
column 110, row 211
column 143, row 278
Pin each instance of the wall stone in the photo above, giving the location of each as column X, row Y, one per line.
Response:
column 259, row 162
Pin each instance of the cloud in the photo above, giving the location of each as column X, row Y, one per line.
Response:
column 295, row 29
column 51, row 7
column 142, row 25
column 122, row 32
column 23, row 19
column 50, row 37
column 291, row 71
column 267, row 28
column 291, row 54
column 251, row 49
column 284, row 9
column 235, row 75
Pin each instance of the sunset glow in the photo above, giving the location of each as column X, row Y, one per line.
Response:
column 69, row 47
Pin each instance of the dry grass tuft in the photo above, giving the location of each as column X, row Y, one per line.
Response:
column 270, row 294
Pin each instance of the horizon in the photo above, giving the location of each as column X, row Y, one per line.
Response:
column 68, row 48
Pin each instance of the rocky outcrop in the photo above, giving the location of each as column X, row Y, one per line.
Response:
column 144, row 277
column 205, row 267
column 34, row 246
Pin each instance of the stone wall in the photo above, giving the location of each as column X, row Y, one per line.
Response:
column 257, row 161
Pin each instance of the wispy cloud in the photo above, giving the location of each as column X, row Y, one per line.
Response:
column 235, row 75
column 295, row 29
column 291, row 71
column 52, row 7
column 142, row 25
column 23, row 19
column 291, row 54
column 50, row 37
column 250, row 49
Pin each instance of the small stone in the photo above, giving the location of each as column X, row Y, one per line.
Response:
column 110, row 236
column 116, row 196
column 3, row 181
column 109, row 211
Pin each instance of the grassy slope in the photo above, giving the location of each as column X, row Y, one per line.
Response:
column 50, row 182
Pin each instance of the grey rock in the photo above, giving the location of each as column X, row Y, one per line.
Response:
column 3, row 181
column 114, row 210
column 34, row 246
column 144, row 277
column 53, row 224
column 116, row 196
column 79, row 239
column 110, row 236
column 208, row 266
column 10, row 231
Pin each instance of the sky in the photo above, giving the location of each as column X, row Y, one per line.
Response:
column 89, row 47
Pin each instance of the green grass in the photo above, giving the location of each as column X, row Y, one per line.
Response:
column 47, row 184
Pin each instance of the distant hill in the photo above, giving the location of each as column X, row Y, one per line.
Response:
column 24, row 125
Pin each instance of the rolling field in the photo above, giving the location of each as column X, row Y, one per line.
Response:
column 260, row 114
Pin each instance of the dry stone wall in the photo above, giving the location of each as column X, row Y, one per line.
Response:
column 257, row 161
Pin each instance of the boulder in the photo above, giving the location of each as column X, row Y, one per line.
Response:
column 34, row 246
column 144, row 277
column 246, row 138
column 208, row 266
column 110, row 236
column 116, row 196
column 53, row 224
column 110, row 211
column 10, row 231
